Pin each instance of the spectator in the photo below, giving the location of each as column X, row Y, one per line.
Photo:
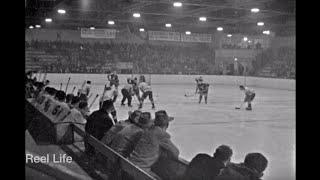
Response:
column 147, row 150
column 252, row 168
column 127, row 138
column 98, row 123
column 205, row 167
column 133, row 119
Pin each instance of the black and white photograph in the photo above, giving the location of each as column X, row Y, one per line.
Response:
column 160, row 89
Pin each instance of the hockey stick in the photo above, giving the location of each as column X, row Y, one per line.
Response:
column 60, row 86
column 67, row 85
column 240, row 105
column 73, row 89
column 189, row 95
column 95, row 98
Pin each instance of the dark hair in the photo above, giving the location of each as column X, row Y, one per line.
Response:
column 88, row 82
column 75, row 100
column 51, row 91
column 69, row 98
column 60, row 95
column 83, row 97
column 83, row 105
column 223, row 153
column 256, row 161
column 133, row 115
column 241, row 87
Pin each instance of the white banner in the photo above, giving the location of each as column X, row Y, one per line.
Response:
column 206, row 38
column 164, row 36
column 98, row 33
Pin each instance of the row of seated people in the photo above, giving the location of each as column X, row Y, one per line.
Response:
column 143, row 140
column 158, row 58
column 246, row 46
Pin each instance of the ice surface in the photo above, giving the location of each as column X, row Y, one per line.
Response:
column 269, row 128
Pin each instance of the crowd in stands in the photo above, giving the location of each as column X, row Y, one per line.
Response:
column 242, row 46
column 147, row 58
column 282, row 62
column 141, row 139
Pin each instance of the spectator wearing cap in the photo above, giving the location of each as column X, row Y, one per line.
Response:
column 251, row 169
column 98, row 123
column 109, row 135
column 205, row 167
column 147, row 150
column 128, row 137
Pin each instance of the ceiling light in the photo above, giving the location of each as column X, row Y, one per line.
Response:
column 266, row 32
column 203, row 19
column 136, row 15
column 229, row 35
column 188, row 32
column 255, row 10
column 260, row 23
column 177, row 4
column 111, row 22
column 48, row 20
column 38, row 26
column 61, row 11
column 235, row 59
column 92, row 28
column 220, row 29
column 245, row 39
column 141, row 30
column 30, row 27
column 168, row 25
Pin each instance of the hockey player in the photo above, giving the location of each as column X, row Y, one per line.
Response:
column 109, row 94
column 146, row 92
column 135, row 88
column 249, row 96
column 198, row 81
column 127, row 93
column 202, row 89
column 113, row 79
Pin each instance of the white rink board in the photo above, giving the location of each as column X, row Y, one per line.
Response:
column 286, row 84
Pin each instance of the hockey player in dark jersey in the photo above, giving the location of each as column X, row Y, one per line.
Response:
column 127, row 92
column 249, row 96
column 202, row 89
column 113, row 79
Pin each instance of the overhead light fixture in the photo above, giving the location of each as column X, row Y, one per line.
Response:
column 38, row 26
column 266, row 32
column 48, row 20
column 177, row 4
column 229, row 35
column 255, row 10
column 61, row 11
column 188, row 32
column 235, row 59
column 141, row 30
column 245, row 39
column 136, row 15
column 220, row 29
column 202, row 18
column 249, row 41
column 92, row 28
column 111, row 22
column 168, row 25
column 260, row 23
column 31, row 27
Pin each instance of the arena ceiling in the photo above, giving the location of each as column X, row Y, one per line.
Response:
column 234, row 16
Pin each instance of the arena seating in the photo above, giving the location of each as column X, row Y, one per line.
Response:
column 97, row 57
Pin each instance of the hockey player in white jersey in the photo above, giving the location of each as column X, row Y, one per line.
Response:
column 146, row 92
column 249, row 96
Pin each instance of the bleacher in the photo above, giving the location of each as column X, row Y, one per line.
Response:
column 36, row 59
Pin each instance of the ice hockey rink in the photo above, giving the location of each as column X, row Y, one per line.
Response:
column 200, row 128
